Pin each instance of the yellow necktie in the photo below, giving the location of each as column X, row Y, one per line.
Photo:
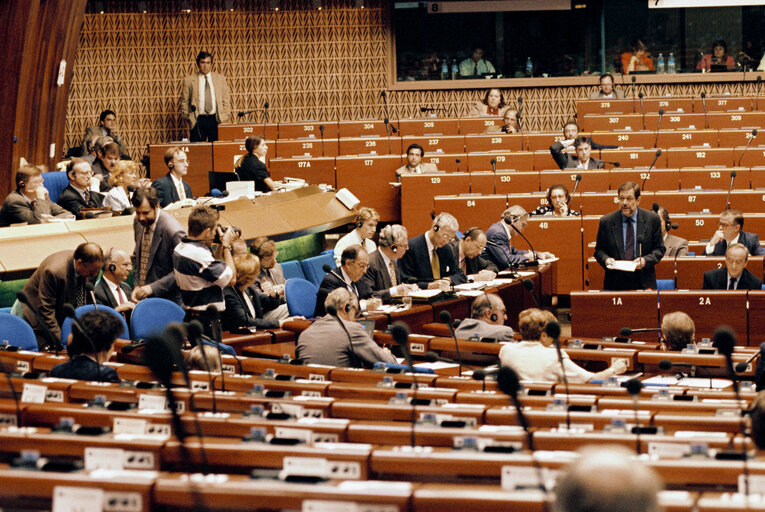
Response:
column 435, row 265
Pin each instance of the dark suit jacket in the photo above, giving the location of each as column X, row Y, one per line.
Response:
column 51, row 286
column 104, row 295
column 71, row 200
column 252, row 169
column 566, row 161
column 472, row 265
column 167, row 191
column 330, row 282
column 416, row 263
column 499, row 251
column 84, row 368
column 167, row 234
column 750, row 240
column 237, row 314
column 377, row 277
column 717, row 279
column 610, row 244
column 17, row 209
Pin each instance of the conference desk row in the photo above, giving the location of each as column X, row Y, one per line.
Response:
column 672, row 121
column 670, row 104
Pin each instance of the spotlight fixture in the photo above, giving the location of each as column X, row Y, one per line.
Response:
column 141, row 6
column 361, row 4
column 229, row 5
column 316, row 4
column 98, row 7
column 273, row 5
column 185, row 6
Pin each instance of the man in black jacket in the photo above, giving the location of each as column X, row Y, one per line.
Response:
column 734, row 276
column 82, row 191
column 468, row 253
column 354, row 262
column 112, row 290
column 729, row 232
column 430, row 259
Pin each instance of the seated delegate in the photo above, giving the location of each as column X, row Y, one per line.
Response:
column 85, row 364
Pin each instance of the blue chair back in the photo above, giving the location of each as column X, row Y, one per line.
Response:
column 66, row 327
column 301, row 297
column 224, row 349
column 312, row 267
column 151, row 316
column 17, row 332
column 665, row 284
column 292, row 269
column 55, row 182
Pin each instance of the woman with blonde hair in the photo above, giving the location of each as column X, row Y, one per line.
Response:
column 536, row 359
column 123, row 180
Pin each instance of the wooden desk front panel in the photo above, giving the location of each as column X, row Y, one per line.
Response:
column 364, row 128
column 598, row 314
column 626, row 139
column 752, row 156
column 494, row 142
column 740, row 120
column 542, row 141
column 721, row 104
column 562, row 237
column 670, row 105
column 756, row 316
column 370, row 146
column 733, row 137
column 312, row 170
column 482, row 211
column 231, row 132
column 443, row 161
column 441, row 144
column 369, row 180
column 686, row 139
column 592, row 181
column 226, row 153
column 477, row 125
column 200, row 159
column 700, row 157
column 427, row 127
column 604, row 106
column 709, row 309
column 308, row 129
column 417, row 193
column 714, row 179
column 630, row 158
column 505, row 161
column 657, row 179
column 506, row 182
column 288, row 148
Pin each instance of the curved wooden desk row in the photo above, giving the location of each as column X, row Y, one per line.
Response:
column 670, row 104
column 293, row 213
column 605, row 313
column 673, row 121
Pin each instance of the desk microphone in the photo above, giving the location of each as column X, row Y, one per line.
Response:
column 321, row 133
column 329, row 270
column 245, row 112
column 132, row 346
column 730, row 188
column 432, row 109
column 571, row 196
column 704, row 105
column 658, row 127
column 757, row 93
column 615, row 164
column 743, row 365
column 446, row 318
column 519, row 115
column 493, row 163
column 400, row 333
column 634, row 386
column 194, row 335
column 265, row 114
column 642, row 107
column 458, row 164
column 53, row 343
column 552, row 329
column 626, row 332
column 632, row 87
column 648, row 174
column 535, row 261
column 751, row 138
column 529, row 285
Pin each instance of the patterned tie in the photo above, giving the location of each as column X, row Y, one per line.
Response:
column 145, row 249
column 208, row 95
column 86, row 197
column 181, row 191
column 435, row 265
column 629, row 244
column 120, row 296
column 392, row 268
column 79, row 293
column 732, row 284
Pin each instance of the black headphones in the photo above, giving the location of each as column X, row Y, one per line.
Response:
column 469, row 233
column 436, row 228
column 348, row 307
column 668, row 222
column 170, row 165
column 394, row 248
column 493, row 316
column 112, row 267
column 359, row 223
column 22, row 184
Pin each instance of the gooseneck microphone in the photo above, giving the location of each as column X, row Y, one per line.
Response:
column 332, row 310
column 534, row 261
column 658, row 127
column 494, row 171
column 626, row 332
column 648, row 173
column 634, row 386
column 642, row 107
column 552, row 329
column 400, row 333
column 632, row 87
column 194, row 335
column 529, row 285
column 576, row 185
column 53, row 343
column 321, row 133
column 730, row 188
column 446, row 318
column 132, row 346
column 704, row 106
column 748, row 142
column 519, row 115
column 743, row 365
column 757, row 93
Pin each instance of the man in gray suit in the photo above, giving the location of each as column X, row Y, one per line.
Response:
column 326, row 342
column 383, row 275
column 487, row 320
column 156, row 234
column 675, row 245
column 205, row 100
column 271, row 281
column 30, row 201
column 414, row 163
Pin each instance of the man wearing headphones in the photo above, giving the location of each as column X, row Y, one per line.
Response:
column 675, row 245
column 354, row 262
column 468, row 253
column 171, row 187
column 364, row 230
column 112, row 290
column 430, row 260
column 500, row 248
column 30, row 202
column 339, row 341
column 487, row 320
column 383, row 275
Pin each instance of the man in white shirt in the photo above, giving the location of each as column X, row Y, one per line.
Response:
column 364, row 230
column 582, row 160
column 205, row 100
column 171, row 187
column 475, row 65
column 730, row 230
column 112, row 290
column 414, row 163
column 606, row 89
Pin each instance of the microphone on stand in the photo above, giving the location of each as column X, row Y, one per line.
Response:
column 446, row 318
column 458, row 164
column 743, row 365
column 494, row 171
column 432, row 109
column 658, row 127
column 519, row 115
column 535, row 261
column 615, row 164
column 642, row 107
column 321, row 132
column 387, row 132
column 634, row 386
column 704, row 105
column 91, row 291
column 529, row 285
column 730, row 188
column 626, row 332
column 265, row 118
column 751, row 138
column 400, row 332
column 571, row 196
column 552, row 329
column 632, row 87
column 757, row 93
column 648, row 174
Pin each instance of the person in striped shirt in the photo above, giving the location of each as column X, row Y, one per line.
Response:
column 200, row 273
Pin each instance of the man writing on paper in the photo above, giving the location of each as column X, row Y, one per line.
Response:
column 632, row 236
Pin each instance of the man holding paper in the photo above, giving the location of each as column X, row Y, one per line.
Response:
column 629, row 243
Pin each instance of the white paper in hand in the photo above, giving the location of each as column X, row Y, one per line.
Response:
column 623, row 265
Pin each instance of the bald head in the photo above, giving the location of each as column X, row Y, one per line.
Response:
column 607, row 479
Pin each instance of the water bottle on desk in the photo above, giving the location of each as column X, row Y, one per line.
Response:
column 529, row 67
column 455, row 69
column 445, row 70
column 660, row 64
column 671, row 64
